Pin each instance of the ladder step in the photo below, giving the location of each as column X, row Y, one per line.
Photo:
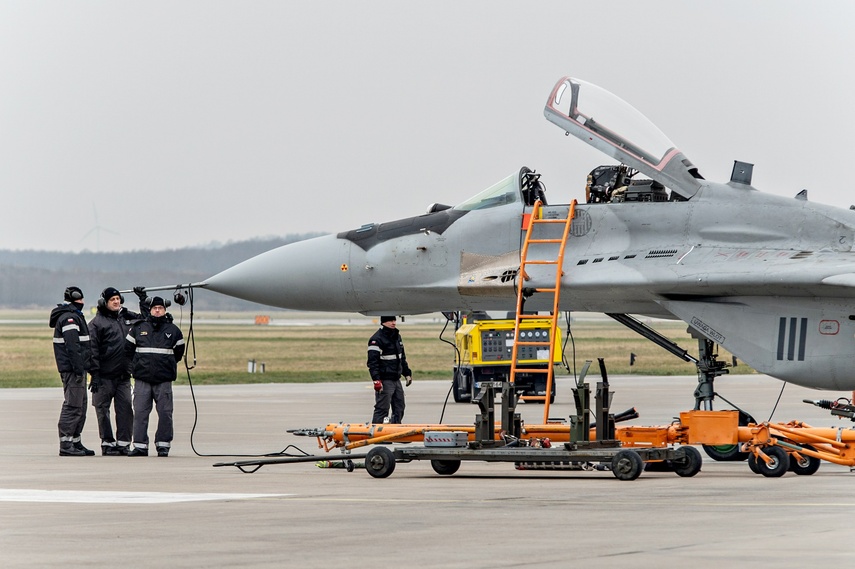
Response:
column 549, row 220
column 541, row 316
column 525, row 370
column 533, row 397
column 544, row 262
column 544, row 240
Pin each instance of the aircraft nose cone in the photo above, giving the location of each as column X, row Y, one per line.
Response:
column 307, row 275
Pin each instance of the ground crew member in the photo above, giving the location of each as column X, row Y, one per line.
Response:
column 387, row 362
column 72, row 354
column 154, row 346
column 110, row 380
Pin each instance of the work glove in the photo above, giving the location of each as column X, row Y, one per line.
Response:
column 409, row 379
column 94, row 384
column 140, row 292
column 378, row 386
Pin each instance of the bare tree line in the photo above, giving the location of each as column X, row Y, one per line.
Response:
column 37, row 279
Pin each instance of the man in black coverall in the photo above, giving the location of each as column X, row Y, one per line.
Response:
column 154, row 346
column 71, row 351
column 387, row 362
column 110, row 381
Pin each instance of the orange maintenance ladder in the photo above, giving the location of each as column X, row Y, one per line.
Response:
column 537, row 227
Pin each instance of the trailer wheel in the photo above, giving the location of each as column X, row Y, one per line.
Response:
column 445, row 467
column 627, row 465
column 806, row 466
column 380, row 462
column 690, row 465
column 752, row 464
column 776, row 467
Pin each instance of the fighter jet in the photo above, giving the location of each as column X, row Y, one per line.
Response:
column 771, row 279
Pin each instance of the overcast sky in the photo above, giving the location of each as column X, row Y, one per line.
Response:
column 169, row 124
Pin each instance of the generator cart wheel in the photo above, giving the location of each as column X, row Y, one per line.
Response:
column 690, row 465
column 627, row 465
column 380, row 462
column 806, row 466
column 776, row 467
column 445, row 467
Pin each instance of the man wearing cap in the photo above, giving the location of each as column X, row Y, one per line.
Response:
column 72, row 354
column 110, row 382
column 387, row 362
column 154, row 346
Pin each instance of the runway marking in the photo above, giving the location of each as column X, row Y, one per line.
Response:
column 105, row 497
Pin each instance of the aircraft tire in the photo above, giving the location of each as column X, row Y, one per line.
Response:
column 729, row 453
column 445, row 467
column 725, row 453
column 380, row 462
column 627, row 465
column 690, row 465
column 779, row 464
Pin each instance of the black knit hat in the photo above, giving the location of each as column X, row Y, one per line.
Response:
column 384, row 319
column 157, row 301
column 110, row 292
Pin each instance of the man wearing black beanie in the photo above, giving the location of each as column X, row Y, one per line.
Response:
column 387, row 362
column 110, row 381
column 154, row 346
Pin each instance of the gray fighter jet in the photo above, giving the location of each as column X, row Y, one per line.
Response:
column 771, row 279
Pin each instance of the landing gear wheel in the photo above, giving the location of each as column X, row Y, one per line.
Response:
column 690, row 465
column 348, row 465
column 445, row 467
column 627, row 465
column 776, row 467
column 724, row 453
column 806, row 466
column 380, row 462
column 728, row 453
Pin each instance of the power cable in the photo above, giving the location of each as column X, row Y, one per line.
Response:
column 191, row 342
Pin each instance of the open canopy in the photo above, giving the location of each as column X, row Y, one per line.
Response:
column 610, row 124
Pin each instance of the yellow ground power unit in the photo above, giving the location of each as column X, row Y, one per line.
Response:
column 484, row 349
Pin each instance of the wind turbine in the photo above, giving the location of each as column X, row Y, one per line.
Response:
column 97, row 229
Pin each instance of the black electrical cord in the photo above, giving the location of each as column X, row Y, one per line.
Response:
column 569, row 336
column 456, row 375
column 776, row 402
column 191, row 343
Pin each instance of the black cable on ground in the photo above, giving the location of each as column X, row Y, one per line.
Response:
column 191, row 343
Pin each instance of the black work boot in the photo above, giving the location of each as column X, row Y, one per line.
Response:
column 107, row 450
column 138, row 452
column 86, row 452
column 162, row 451
column 68, row 449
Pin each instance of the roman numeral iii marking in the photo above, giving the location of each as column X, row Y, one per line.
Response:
column 792, row 333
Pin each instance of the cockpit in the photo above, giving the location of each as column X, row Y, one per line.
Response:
column 613, row 126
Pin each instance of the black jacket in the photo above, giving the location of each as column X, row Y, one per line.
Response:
column 386, row 357
column 70, row 339
column 107, row 333
column 154, row 346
